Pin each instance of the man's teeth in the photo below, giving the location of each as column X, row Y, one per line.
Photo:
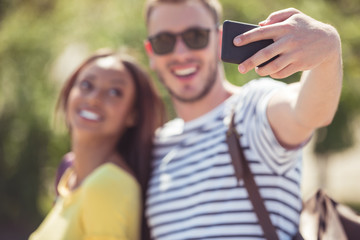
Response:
column 185, row 71
column 89, row 115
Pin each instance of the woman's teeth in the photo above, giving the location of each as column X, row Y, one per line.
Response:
column 89, row 115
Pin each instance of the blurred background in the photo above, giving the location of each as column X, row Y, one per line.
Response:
column 42, row 41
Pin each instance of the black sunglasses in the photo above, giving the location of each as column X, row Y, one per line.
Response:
column 194, row 38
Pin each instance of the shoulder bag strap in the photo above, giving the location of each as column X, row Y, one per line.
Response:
column 242, row 171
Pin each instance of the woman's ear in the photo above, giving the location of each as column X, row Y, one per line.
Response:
column 131, row 119
column 150, row 53
column 67, row 121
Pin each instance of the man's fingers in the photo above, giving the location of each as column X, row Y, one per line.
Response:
column 273, row 32
column 279, row 16
column 271, row 68
column 256, row 34
column 285, row 72
column 264, row 55
column 271, row 28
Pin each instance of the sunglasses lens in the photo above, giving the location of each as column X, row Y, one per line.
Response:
column 196, row 38
column 163, row 43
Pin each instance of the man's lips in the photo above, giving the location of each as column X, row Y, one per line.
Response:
column 184, row 72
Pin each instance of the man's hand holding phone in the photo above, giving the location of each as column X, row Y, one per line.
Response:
column 235, row 52
column 301, row 42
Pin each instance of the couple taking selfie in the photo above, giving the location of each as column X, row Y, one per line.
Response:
column 133, row 176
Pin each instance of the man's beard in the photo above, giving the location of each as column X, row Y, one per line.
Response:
column 211, row 79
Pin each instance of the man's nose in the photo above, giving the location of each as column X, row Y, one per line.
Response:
column 180, row 46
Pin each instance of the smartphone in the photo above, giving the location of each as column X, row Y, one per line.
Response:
column 233, row 54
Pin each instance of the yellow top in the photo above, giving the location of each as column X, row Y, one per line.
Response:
column 106, row 206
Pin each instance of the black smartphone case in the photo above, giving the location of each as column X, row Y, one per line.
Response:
column 233, row 54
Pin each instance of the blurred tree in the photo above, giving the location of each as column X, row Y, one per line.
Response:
column 37, row 35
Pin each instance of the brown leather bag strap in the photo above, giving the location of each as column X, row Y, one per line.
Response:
column 242, row 171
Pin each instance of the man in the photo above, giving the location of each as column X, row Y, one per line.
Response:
column 193, row 193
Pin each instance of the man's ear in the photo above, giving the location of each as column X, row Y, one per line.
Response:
column 148, row 47
column 149, row 52
column 220, row 30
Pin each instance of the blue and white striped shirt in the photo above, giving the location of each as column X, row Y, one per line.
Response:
column 193, row 193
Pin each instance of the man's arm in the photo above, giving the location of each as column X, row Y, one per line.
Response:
column 303, row 44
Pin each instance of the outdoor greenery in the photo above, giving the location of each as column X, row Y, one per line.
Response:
column 42, row 41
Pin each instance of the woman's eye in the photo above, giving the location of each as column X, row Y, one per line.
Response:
column 85, row 85
column 115, row 92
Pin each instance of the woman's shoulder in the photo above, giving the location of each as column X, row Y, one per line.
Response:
column 109, row 177
column 110, row 203
column 65, row 163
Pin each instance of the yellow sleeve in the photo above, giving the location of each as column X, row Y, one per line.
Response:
column 111, row 208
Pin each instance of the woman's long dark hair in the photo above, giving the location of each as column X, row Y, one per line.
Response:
column 136, row 143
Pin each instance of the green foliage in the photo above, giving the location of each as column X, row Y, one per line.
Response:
column 338, row 136
column 36, row 34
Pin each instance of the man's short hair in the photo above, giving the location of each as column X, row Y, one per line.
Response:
column 213, row 6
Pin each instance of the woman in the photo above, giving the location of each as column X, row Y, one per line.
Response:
column 112, row 111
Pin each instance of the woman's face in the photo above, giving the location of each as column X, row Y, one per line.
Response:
column 102, row 98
